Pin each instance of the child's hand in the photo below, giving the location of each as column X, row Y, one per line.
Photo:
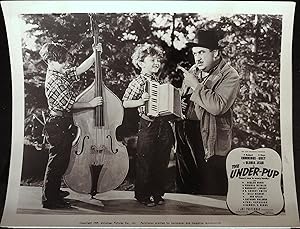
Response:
column 145, row 97
column 97, row 101
column 97, row 48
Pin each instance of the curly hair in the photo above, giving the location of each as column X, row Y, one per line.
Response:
column 141, row 51
column 54, row 52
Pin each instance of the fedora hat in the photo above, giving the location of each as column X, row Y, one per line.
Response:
column 206, row 39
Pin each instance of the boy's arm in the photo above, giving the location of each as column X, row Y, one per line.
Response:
column 134, row 95
column 86, row 64
column 133, row 103
column 97, row 101
column 89, row 61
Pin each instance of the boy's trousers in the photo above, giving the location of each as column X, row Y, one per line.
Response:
column 155, row 140
column 60, row 137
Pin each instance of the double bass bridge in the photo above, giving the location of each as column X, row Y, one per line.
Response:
column 97, row 149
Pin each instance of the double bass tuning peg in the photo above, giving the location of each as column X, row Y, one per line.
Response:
column 91, row 14
column 101, row 25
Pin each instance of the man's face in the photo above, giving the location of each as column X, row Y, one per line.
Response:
column 204, row 58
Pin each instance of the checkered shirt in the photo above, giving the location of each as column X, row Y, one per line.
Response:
column 59, row 89
column 135, row 90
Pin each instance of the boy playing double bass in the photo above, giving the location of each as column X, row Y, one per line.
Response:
column 61, row 101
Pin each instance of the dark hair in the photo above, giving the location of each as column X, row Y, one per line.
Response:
column 54, row 52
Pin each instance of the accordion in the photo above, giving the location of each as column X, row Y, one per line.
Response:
column 164, row 100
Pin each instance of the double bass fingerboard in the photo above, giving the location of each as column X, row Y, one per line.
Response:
column 99, row 116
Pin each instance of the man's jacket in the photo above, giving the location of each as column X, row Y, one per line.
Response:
column 213, row 99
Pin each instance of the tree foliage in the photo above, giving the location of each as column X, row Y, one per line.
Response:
column 251, row 43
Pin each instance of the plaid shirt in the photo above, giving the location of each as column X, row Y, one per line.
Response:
column 136, row 88
column 59, row 89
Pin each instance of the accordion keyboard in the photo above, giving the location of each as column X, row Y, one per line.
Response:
column 154, row 97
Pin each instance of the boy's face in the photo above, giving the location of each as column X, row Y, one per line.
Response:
column 151, row 64
column 61, row 64
column 204, row 58
column 60, row 67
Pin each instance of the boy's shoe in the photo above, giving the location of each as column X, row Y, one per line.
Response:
column 63, row 194
column 159, row 200
column 147, row 202
column 59, row 204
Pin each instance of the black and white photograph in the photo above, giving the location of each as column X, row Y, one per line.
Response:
column 150, row 114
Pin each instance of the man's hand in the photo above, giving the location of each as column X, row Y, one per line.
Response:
column 183, row 106
column 189, row 79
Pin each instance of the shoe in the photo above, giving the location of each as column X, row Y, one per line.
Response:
column 147, row 202
column 61, row 204
column 159, row 200
column 63, row 193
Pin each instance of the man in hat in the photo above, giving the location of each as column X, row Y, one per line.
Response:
column 211, row 87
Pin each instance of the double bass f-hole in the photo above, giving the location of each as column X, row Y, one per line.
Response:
column 111, row 145
column 87, row 137
column 82, row 147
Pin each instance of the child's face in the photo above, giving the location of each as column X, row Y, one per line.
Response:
column 151, row 64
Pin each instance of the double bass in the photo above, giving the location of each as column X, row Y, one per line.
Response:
column 98, row 161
